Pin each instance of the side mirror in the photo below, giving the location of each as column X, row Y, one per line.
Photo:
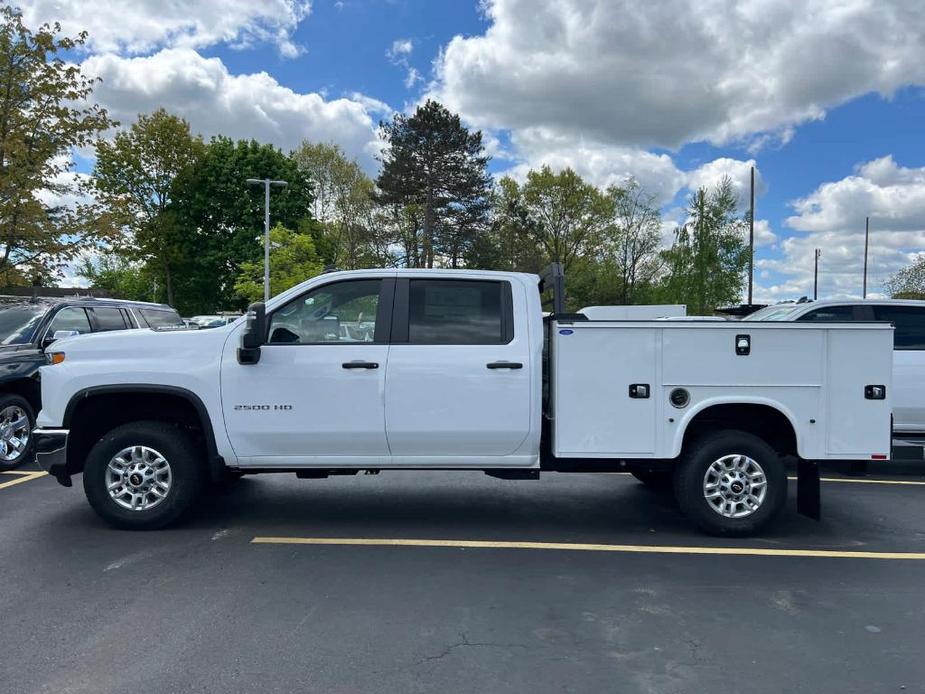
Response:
column 254, row 335
column 58, row 335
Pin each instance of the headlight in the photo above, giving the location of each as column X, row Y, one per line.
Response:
column 55, row 357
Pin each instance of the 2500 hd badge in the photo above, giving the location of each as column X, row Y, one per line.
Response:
column 262, row 408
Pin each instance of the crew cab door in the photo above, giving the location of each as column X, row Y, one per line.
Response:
column 316, row 395
column 458, row 384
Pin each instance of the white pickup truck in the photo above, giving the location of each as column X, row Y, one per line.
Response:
column 459, row 370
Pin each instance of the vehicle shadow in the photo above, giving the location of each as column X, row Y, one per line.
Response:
column 563, row 508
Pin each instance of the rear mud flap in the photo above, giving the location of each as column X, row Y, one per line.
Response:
column 808, row 490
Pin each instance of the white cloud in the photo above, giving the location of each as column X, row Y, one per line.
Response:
column 891, row 195
column 711, row 174
column 399, row 54
column 214, row 101
column 600, row 164
column 412, row 78
column 671, row 72
column 764, row 236
column 400, row 50
column 833, row 217
column 141, row 26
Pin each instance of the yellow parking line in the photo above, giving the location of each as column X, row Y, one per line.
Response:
column 21, row 477
column 860, row 480
column 581, row 547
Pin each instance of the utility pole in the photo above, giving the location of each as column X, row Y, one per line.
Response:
column 266, row 183
column 816, row 275
column 751, row 240
column 866, row 241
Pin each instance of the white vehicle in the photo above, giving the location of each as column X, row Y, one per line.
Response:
column 635, row 312
column 461, row 372
column 909, row 356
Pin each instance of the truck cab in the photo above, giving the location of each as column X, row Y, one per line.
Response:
column 418, row 369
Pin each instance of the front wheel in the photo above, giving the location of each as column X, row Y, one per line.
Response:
column 16, row 424
column 731, row 483
column 143, row 475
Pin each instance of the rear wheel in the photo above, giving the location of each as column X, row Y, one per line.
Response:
column 16, row 424
column 731, row 483
column 143, row 475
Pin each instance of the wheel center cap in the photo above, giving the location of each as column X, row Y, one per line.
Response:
column 136, row 479
column 737, row 487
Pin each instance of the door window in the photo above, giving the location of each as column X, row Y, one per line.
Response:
column 108, row 319
column 71, row 318
column 458, row 312
column 909, row 322
column 830, row 314
column 158, row 318
column 342, row 312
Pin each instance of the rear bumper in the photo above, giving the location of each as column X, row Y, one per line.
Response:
column 51, row 453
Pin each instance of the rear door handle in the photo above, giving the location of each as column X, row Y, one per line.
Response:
column 505, row 365
column 360, row 365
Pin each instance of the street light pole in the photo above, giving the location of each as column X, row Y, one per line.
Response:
column 816, row 275
column 866, row 242
column 751, row 239
column 266, row 183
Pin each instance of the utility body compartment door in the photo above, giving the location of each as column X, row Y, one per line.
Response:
column 601, row 376
column 459, row 382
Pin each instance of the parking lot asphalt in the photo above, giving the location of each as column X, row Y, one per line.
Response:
column 203, row 607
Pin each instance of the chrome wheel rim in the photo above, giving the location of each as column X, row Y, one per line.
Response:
column 14, row 432
column 138, row 478
column 735, row 486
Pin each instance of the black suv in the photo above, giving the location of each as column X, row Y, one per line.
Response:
column 27, row 327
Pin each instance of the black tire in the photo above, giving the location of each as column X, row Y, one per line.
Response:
column 186, row 466
column 11, row 400
column 689, row 482
column 657, row 480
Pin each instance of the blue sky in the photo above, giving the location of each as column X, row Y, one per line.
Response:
column 826, row 98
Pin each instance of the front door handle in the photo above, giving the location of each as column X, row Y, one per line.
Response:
column 505, row 365
column 359, row 364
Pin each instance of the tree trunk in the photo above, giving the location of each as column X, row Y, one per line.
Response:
column 168, row 276
column 429, row 228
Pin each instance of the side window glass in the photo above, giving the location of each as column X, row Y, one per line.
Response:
column 909, row 322
column 342, row 312
column 157, row 318
column 830, row 314
column 455, row 312
column 71, row 318
column 108, row 319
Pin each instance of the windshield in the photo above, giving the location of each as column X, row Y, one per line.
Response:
column 18, row 323
column 773, row 313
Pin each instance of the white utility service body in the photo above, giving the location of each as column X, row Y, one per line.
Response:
column 406, row 378
column 813, row 375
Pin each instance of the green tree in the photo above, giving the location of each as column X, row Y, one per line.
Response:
column 564, row 214
column 706, row 264
column 909, row 282
column 44, row 114
column 293, row 259
column 344, row 205
column 507, row 243
column 135, row 175
column 123, row 278
column 222, row 217
column 436, row 167
column 632, row 239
